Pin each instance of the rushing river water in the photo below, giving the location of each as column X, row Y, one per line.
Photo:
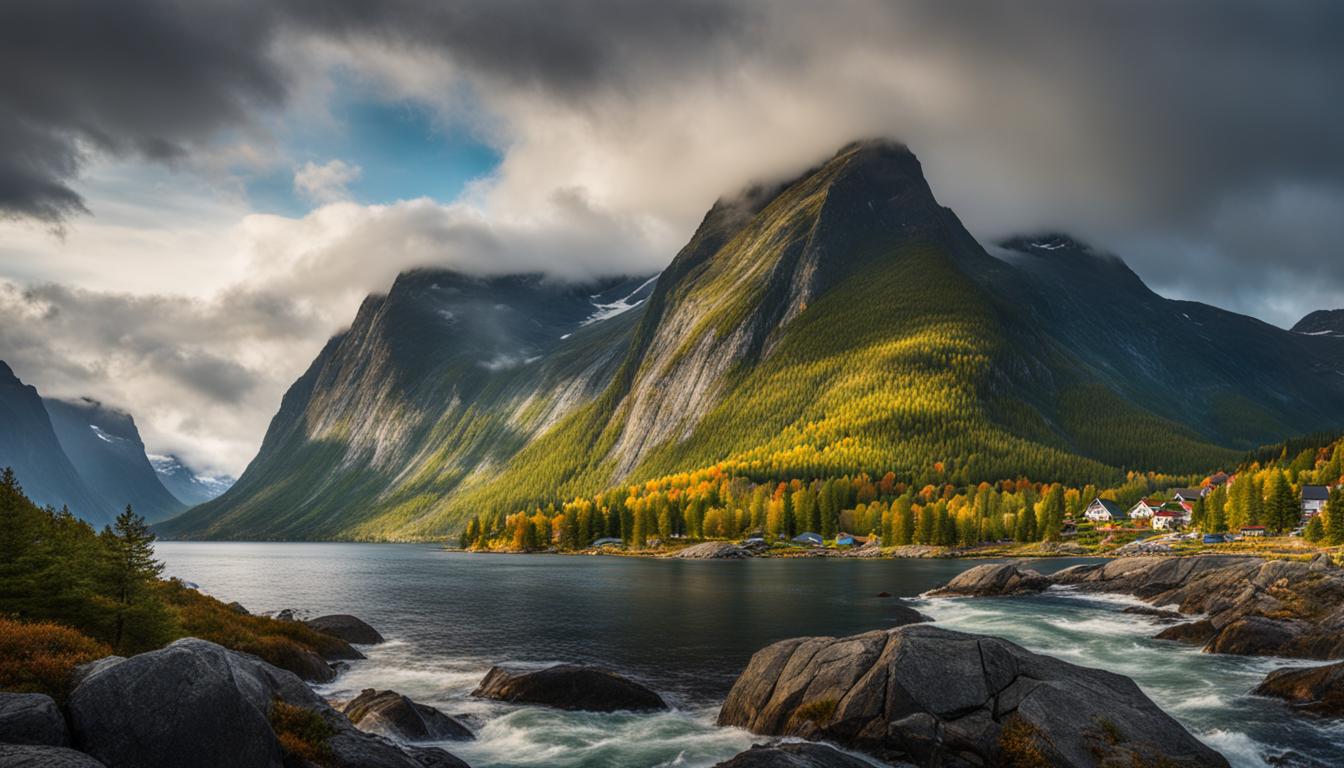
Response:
column 686, row 628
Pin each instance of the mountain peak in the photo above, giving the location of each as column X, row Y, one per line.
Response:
column 1322, row 322
column 1046, row 243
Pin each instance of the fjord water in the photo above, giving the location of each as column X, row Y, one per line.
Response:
column 687, row 628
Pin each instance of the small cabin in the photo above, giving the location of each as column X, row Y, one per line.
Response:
column 1103, row 511
column 1252, row 530
column 808, row 539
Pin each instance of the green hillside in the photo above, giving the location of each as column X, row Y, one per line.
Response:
column 844, row 323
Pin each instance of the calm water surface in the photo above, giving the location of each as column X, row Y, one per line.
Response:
column 687, row 628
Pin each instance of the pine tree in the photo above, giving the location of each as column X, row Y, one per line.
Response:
column 140, row 619
column 1281, row 504
column 1334, row 516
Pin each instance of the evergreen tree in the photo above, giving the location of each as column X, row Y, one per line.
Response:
column 1282, row 507
column 139, row 620
column 1334, row 516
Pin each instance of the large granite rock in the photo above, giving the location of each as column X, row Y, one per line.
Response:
column 1319, row 690
column 993, row 579
column 391, row 714
column 199, row 704
column 793, row 755
column 714, row 550
column 348, row 628
column 32, row 718
column 1252, row 606
column 938, row 697
column 569, row 686
column 38, row 756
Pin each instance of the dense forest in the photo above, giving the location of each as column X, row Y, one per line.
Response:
column 720, row 504
column 70, row 594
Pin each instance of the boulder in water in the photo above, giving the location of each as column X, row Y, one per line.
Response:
column 351, row 629
column 32, row 718
column 569, row 686
column 391, row 714
column 1318, row 690
column 938, row 697
column 1154, row 613
column 40, row 756
column 793, row 755
column 991, row 580
column 1192, row 632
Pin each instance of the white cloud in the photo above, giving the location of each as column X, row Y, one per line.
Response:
column 326, row 183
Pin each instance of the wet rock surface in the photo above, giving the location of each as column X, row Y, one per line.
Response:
column 794, row 755
column 1318, row 690
column 391, row 714
column 349, row 628
column 1250, row 606
column 569, row 686
column 937, row 697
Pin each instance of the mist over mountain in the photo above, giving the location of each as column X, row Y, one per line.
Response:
column 841, row 322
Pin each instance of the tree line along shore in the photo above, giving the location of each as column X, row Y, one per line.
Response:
column 1261, row 499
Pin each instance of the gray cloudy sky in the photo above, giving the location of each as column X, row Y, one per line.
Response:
column 193, row 196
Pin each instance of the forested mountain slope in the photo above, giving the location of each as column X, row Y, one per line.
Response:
column 842, row 322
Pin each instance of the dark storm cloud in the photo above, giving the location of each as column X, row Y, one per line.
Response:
column 154, row 78
column 1150, row 125
column 568, row 48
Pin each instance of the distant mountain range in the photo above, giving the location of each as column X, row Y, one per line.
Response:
column 185, row 484
column 89, row 457
column 841, row 322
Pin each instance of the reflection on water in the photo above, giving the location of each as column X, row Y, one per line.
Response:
column 687, row 628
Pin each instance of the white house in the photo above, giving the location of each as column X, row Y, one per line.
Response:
column 1144, row 509
column 1314, row 498
column 1168, row 520
column 1103, row 511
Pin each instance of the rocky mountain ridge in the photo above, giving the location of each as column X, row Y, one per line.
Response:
column 841, row 322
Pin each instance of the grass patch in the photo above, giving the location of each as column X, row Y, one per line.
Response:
column 302, row 732
column 1020, row 745
column 39, row 656
column 815, row 712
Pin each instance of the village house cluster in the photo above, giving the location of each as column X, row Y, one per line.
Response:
column 1177, row 512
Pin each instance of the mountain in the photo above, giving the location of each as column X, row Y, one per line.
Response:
column 186, row 484
column 29, row 445
column 1324, row 322
column 105, row 447
column 840, row 322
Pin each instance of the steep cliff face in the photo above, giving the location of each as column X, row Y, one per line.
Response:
column 105, row 447
column 841, row 322
column 443, row 378
column 29, row 445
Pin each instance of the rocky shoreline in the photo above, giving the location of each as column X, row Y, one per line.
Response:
column 915, row 694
